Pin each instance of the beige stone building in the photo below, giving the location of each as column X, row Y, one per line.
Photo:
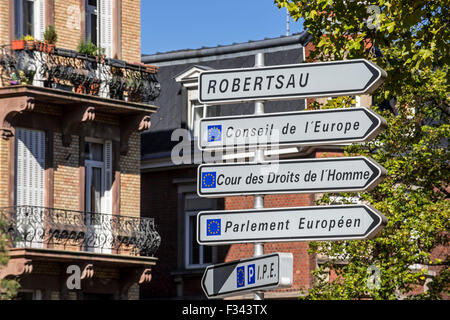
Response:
column 70, row 148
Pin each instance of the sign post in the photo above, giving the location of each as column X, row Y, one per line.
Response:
column 297, row 81
column 314, row 127
column 259, row 157
column 260, row 177
column 317, row 223
column 242, row 276
column 343, row 174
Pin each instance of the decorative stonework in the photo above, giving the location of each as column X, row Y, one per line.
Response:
column 72, row 117
column 128, row 125
column 17, row 268
column 9, row 108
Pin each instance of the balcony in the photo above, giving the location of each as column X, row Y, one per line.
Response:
column 67, row 92
column 60, row 229
column 71, row 71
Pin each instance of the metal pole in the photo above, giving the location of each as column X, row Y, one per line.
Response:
column 288, row 31
column 259, row 157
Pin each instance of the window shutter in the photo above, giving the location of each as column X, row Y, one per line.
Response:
column 40, row 19
column 108, row 176
column 30, row 167
column 106, row 27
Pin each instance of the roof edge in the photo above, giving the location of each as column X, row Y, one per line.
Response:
column 301, row 38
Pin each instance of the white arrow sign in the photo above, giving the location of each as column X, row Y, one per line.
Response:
column 306, row 80
column 291, row 128
column 318, row 223
column 258, row 273
column 289, row 176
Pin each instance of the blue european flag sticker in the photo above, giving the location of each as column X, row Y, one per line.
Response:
column 208, row 179
column 213, row 227
column 251, row 273
column 214, row 133
column 240, row 276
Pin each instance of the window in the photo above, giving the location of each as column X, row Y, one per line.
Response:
column 91, row 21
column 29, row 18
column 196, row 256
column 197, row 111
column 98, row 200
column 99, row 24
column 29, row 184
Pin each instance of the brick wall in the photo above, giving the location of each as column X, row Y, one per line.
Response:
column 303, row 262
column 160, row 201
column 68, row 23
column 66, row 174
column 130, row 178
column 131, row 30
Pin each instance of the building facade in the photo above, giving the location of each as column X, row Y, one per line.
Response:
column 70, row 149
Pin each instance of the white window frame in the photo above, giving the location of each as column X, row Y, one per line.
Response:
column 38, row 18
column 190, row 239
column 106, row 186
column 193, row 104
column 104, row 13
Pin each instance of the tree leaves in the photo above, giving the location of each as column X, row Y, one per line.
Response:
column 410, row 41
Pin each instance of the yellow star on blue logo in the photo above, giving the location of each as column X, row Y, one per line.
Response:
column 213, row 227
column 214, row 133
column 208, row 179
column 240, row 276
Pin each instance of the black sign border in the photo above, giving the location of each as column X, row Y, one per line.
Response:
column 378, row 174
column 378, row 124
column 378, row 76
column 236, row 262
column 379, row 221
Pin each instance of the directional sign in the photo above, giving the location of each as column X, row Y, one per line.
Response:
column 289, row 176
column 318, row 223
column 238, row 277
column 291, row 128
column 305, row 80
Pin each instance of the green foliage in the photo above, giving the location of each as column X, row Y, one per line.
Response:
column 8, row 287
column 413, row 39
column 87, row 47
column 50, row 35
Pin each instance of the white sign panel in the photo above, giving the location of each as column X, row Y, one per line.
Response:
column 258, row 273
column 318, row 223
column 289, row 176
column 305, row 80
column 291, row 128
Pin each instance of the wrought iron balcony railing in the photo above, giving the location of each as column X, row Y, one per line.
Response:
column 81, row 73
column 40, row 227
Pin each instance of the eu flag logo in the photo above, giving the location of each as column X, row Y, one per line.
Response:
column 240, row 276
column 208, row 179
column 214, row 133
column 213, row 227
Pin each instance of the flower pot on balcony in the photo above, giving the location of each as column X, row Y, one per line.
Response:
column 18, row 44
column 50, row 48
column 30, row 45
column 38, row 45
column 80, row 88
column 94, row 88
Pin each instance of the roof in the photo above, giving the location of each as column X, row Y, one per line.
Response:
column 299, row 38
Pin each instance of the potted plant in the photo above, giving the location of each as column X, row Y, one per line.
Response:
column 87, row 47
column 29, row 41
column 18, row 44
column 50, row 38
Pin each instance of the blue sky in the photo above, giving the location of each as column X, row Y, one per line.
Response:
column 169, row 25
